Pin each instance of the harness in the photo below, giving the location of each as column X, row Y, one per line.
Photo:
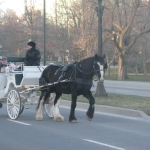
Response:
column 73, row 79
column 86, row 81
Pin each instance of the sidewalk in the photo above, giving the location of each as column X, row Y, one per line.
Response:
column 126, row 87
column 129, row 84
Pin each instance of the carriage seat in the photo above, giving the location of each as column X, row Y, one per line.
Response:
column 31, row 75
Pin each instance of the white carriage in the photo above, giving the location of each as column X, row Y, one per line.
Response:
column 20, row 86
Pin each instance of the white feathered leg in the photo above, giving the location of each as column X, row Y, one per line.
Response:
column 39, row 115
column 51, row 106
column 57, row 115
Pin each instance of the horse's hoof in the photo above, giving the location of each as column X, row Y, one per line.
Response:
column 73, row 121
column 59, row 119
column 89, row 115
column 51, row 117
column 38, row 119
column 89, row 118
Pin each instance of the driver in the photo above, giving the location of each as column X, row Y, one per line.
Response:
column 3, row 64
column 33, row 55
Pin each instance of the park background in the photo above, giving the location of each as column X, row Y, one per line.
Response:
column 72, row 33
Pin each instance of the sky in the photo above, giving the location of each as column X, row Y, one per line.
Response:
column 18, row 5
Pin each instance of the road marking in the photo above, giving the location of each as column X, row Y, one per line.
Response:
column 103, row 144
column 19, row 122
column 104, row 113
column 132, row 118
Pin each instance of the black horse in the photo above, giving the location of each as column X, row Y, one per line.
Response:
column 80, row 78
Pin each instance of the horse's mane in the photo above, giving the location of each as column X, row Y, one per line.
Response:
column 86, row 63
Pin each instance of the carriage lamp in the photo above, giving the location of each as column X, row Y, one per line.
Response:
column 23, row 86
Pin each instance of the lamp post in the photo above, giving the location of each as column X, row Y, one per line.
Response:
column 44, row 15
column 100, row 90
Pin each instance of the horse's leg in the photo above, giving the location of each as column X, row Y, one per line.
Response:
column 57, row 115
column 90, row 112
column 72, row 117
column 39, row 115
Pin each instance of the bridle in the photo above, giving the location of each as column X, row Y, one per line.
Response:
column 76, row 67
column 97, row 71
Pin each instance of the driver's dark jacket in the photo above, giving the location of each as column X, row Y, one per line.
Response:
column 1, row 66
column 32, row 57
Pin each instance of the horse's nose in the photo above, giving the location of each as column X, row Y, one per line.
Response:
column 101, row 79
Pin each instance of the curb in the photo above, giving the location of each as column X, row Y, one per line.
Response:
column 101, row 109
column 109, row 110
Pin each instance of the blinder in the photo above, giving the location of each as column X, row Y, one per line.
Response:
column 97, row 71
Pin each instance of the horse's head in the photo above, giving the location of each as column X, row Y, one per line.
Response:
column 99, row 66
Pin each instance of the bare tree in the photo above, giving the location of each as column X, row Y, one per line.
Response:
column 31, row 17
column 127, row 16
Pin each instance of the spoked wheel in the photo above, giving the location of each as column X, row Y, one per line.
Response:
column 13, row 104
column 49, row 106
column 21, row 110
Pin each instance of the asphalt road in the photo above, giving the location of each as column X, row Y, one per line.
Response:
column 126, row 87
column 104, row 132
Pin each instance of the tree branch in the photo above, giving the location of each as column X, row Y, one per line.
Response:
column 117, row 45
column 135, row 39
column 117, row 26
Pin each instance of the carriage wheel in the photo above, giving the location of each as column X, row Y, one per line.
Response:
column 13, row 104
column 49, row 106
column 21, row 110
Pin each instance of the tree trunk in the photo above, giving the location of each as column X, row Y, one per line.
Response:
column 136, row 69
column 121, row 68
column 126, row 70
column 145, row 68
column 144, row 61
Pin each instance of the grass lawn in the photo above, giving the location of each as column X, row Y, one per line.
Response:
column 119, row 100
column 131, row 76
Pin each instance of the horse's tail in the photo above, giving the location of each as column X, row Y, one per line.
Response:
column 42, row 81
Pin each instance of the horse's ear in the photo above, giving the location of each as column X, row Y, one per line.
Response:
column 96, row 57
column 104, row 56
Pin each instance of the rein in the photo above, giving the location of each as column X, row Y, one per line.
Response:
column 83, row 71
column 87, row 81
column 98, row 70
